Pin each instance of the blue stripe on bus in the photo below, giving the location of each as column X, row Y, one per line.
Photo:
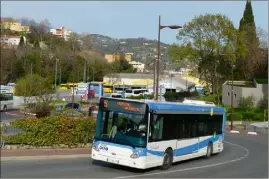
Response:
column 177, row 152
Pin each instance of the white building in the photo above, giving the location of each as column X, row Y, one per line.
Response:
column 61, row 32
column 140, row 67
column 11, row 40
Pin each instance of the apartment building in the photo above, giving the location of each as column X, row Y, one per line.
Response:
column 9, row 41
column 140, row 67
column 61, row 32
column 11, row 24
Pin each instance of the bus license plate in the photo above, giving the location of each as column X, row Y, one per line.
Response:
column 112, row 160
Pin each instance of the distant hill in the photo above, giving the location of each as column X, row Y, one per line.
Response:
column 144, row 49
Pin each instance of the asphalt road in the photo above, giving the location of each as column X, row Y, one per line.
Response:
column 6, row 117
column 243, row 157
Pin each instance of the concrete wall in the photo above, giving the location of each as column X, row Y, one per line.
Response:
column 258, row 92
column 128, row 81
column 226, row 95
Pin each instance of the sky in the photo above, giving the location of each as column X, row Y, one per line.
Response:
column 129, row 19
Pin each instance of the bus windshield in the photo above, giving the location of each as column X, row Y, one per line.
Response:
column 122, row 125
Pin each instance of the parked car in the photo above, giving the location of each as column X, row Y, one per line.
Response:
column 116, row 95
column 76, row 106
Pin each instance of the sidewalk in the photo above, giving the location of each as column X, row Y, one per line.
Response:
column 39, row 154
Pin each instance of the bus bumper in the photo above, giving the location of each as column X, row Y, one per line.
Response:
column 139, row 163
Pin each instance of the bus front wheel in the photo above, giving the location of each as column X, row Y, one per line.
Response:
column 209, row 150
column 167, row 159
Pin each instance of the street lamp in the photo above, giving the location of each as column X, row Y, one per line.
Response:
column 56, row 71
column 232, row 90
column 158, row 58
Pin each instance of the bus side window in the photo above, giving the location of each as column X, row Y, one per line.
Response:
column 156, row 128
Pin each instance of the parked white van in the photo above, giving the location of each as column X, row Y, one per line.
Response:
column 136, row 92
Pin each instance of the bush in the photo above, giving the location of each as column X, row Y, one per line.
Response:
column 246, row 114
column 179, row 96
column 141, row 96
column 263, row 103
column 50, row 131
column 246, row 102
column 236, row 116
column 212, row 98
column 41, row 110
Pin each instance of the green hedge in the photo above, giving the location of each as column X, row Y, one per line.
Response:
column 52, row 131
column 179, row 96
column 212, row 98
column 247, row 114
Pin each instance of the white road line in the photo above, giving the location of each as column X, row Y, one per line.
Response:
column 252, row 133
column 233, row 131
column 194, row 168
column 13, row 114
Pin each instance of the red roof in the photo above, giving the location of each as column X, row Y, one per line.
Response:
column 10, row 36
column 8, row 20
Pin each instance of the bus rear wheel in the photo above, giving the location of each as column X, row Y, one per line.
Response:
column 167, row 159
column 209, row 150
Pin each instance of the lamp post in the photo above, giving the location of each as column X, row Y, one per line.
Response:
column 158, row 57
column 232, row 90
column 56, row 71
column 232, row 97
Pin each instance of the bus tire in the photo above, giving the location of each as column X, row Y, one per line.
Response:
column 167, row 159
column 209, row 150
column 5, row 108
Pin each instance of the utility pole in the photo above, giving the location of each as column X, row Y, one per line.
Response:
column 56, row 71
column 154, row 78
column 85, row 68
column 158, row 60
column 73, row 94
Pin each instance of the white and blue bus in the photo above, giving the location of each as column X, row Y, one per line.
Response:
column 145, row 134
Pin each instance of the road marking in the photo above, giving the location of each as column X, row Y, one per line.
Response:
column 14, row 114
column 252, row 133
column 194, row 168
column 232, row 131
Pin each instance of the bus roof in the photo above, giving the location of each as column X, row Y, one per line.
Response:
column 161, row 106
column 173, row 106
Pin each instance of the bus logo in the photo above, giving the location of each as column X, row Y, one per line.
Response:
column 103, row 147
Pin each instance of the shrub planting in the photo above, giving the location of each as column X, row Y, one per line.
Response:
column 51, row 131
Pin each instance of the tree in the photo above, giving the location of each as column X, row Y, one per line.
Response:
column 248, row 64
column 202, row 41
column 21, row 43
column 122, row 65
column 34, row 87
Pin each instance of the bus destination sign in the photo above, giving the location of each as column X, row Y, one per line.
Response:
column 119, row 105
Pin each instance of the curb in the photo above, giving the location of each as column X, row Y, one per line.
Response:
column 44, row 157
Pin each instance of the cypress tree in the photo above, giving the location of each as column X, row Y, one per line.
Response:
column 248, row 37
column 21, row 43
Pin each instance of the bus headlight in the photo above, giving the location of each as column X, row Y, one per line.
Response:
column 95, row 147
column 135, row 155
